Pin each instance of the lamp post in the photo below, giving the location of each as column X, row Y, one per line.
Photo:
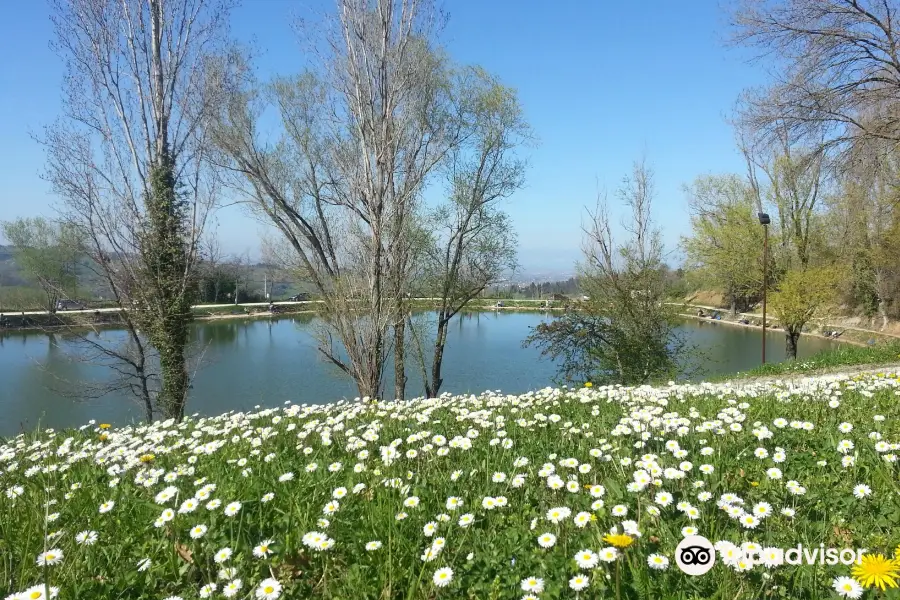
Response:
column 764, row 221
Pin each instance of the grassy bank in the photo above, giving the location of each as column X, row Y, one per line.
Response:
column 845, row 355
column 553, row 494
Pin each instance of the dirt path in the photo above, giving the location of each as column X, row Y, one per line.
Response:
column 842, row 370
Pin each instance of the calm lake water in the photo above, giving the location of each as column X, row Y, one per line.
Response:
column 267, row 362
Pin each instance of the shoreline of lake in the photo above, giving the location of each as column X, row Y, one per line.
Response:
column 770, row 329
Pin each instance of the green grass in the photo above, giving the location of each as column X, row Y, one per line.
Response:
column 458, row 483
column 845, row 355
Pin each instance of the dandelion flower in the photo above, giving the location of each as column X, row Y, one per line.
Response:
column 876, row 570
column 618, row 540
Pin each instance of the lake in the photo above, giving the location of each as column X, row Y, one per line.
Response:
column 248, row 362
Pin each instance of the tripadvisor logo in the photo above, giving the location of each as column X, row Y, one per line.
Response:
column 695, row 555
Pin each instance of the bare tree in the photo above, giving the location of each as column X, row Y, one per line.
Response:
column 472, row 242
column 794, row 182
column 211, row 267
column 838, row 76
column 128, row 157
column 361, row 136
column 625, row 333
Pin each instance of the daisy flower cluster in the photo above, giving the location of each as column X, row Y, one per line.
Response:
column 560, row 492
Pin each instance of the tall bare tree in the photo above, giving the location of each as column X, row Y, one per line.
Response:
column 128, row 161
column 838, row 68
column 794, row 181
column 362, row 133
column 471, row 241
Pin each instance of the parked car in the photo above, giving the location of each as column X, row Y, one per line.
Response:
column 69, row 305
column 299, row 298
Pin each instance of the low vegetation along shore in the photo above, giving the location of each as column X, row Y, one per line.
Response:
column 557, row 493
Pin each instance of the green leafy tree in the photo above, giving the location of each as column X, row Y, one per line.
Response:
column 625, row 333
column 803, row 295
column 47, row 252
column 725, row 245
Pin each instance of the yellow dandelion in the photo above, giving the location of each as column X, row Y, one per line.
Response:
column 104, row 425
column 897, row 552
column 876, row 570
column 103, row 437
column 754, row 483
column 619, row 540
column 588, row 384
column 147, row 458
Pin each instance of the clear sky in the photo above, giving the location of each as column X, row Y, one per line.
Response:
column 601, row 82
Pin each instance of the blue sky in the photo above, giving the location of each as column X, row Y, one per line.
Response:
column 601, row 83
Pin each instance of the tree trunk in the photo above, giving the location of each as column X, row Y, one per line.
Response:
column 790, row 339
column 400, row 358
column 440, row 342
column 165, row 261
column 173, row 394
column 882, row 312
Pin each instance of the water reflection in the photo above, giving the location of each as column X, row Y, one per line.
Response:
column 262, row 361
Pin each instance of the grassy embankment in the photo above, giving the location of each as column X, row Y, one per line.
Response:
column 489, row 497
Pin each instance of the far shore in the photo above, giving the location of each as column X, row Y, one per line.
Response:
column 287, row 310
column 770, row 329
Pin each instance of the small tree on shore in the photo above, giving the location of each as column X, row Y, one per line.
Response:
column 625, row 332
column 47, row 252
column 803, row 295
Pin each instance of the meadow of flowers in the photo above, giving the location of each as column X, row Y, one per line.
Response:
column 558, row 493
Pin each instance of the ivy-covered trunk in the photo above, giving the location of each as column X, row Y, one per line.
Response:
column 167, row 292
